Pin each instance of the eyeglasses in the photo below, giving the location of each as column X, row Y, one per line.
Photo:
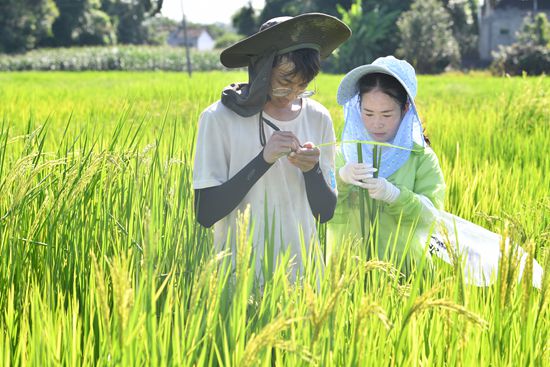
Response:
column 283, row 92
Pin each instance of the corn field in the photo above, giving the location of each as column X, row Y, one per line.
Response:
column 102, row 262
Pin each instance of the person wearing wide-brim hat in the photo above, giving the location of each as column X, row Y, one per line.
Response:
column 407, row 187
column 256, row 146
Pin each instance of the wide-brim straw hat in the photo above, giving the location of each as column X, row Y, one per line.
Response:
column 284, row 34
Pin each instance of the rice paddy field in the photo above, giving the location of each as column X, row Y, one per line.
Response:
column 102, row 262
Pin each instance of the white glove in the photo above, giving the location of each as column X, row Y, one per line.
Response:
column 381, row 189
column 355, row 173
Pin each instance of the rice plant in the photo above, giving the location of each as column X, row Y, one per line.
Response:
column 102, row 262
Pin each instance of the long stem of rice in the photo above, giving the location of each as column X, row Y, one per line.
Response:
column 362, row 197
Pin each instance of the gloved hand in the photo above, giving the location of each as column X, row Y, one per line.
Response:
column 381, row 189
column 355, row 173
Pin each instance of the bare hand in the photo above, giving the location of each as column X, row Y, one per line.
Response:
column 280, row 143
column 305, row 158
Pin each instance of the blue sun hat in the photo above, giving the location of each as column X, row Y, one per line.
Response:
column 410, row 128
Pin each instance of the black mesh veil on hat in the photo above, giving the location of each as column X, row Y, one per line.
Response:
column 247, row 99
column 277, row 36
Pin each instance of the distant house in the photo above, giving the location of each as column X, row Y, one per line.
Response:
column 196, row 38
column 498, row 24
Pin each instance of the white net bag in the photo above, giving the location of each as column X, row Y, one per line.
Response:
column 478, row 248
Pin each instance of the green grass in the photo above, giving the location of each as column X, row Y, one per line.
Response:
column 102, row 263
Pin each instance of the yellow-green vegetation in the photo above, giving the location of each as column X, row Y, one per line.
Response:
column 102, row 263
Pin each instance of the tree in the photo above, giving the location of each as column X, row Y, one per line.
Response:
column 531, row 52
column 217, row 30
column 129, row 16
column 427, row 39
column 465, row 27
column 227, row 40
column 331, row 6
column 95, row 29
column 536, row 31
column 320, row 6
column 370, row 33
column 24, row 23
column 277, row 8
column 244, row 20
column 392, row 38
column 82, row 22
column 157, row 29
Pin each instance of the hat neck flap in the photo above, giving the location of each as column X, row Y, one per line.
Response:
column 247, row 99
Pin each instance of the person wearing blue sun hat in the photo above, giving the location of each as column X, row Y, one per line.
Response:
column 407, row 222
column 407, row 187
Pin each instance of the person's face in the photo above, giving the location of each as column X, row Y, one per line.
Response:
column 284, row 88
column 381, row 115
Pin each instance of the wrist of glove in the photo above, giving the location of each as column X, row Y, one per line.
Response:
column 381, row 189
column 356, row 173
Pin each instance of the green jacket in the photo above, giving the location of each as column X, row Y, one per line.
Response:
column 411, row 215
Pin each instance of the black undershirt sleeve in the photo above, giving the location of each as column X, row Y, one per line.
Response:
column 214, row 203
column 322, row 200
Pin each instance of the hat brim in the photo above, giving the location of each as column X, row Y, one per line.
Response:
column 348, row 86
column 311, row 29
